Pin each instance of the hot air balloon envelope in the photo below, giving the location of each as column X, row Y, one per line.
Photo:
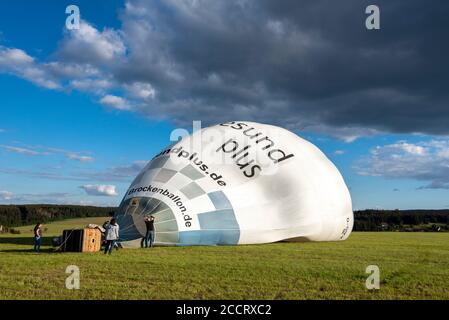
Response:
column 237, row 183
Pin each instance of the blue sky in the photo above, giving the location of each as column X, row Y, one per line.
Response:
column 130, row 77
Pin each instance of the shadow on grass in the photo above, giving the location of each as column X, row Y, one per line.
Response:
column 30, row 250
column 46, row 241
column 29, row 242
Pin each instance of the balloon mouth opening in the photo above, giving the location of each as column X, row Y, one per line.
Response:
column 131, row 218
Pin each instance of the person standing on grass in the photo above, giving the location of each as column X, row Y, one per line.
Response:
column 112, row 235
column 149, row 236
column 105, row 226
column 37, row 237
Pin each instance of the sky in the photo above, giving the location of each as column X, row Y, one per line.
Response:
column 83, row 110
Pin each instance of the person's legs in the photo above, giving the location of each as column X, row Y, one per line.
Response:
column 37, row 244
column 151, row 238
column 147, row 237
column 111, row 246
column 106, row 247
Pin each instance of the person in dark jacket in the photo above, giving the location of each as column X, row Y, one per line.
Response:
column 149, row 236
column 37, row 237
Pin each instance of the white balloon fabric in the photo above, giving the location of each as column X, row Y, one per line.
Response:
column 238, row 183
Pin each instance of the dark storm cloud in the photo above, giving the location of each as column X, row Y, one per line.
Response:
column 296, row 63
column 308, row 65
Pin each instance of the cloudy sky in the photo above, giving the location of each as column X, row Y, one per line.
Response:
column 81, row 111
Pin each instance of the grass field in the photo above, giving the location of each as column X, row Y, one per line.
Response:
column 412, row 266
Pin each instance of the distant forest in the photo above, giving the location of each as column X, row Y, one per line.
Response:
column 365, row 220
column 19, row 215
column 401, row 220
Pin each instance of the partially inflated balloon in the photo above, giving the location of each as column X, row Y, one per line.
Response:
column 238, row 183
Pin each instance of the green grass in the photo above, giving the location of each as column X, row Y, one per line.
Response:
column 412, row 265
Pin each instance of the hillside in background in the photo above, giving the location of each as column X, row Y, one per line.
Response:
column 365, row 220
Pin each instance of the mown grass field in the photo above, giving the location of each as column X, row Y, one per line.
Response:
column 412, row 265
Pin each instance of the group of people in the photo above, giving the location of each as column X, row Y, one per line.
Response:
column 111, row 235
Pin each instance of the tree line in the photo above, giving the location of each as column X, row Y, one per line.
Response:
column 364, row 220
column 401, row 220
column 19, row 215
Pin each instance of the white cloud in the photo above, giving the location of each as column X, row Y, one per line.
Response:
column 141, row 90
column 409, row 148
column 72, row 70
column 24, row 151
column 98, row 86
column 339, row 152
column 115, row 102
column 45, row 151
column 426, row 161
column 89, row 45
column 77, row 157
column 100, row 190
column 18, row 62
column 78, row 61
column 14, row 56
column 6, row 195
column 40, row 77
